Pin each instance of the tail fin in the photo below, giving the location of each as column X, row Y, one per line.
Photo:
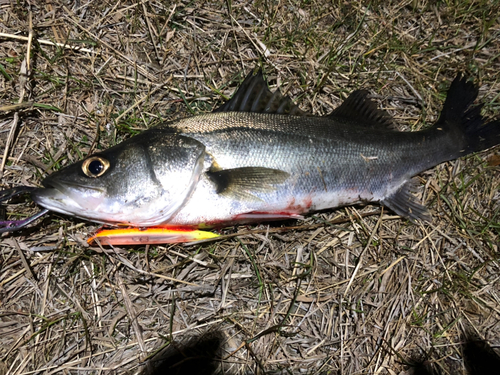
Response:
column 457, row 116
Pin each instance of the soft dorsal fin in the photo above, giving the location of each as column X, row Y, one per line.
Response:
column 362, row 111
column 254, row 96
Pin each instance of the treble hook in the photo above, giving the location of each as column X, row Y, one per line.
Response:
column 13, row 225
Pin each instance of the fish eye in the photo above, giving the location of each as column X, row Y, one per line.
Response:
column 95, row 166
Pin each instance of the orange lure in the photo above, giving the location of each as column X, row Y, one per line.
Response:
column 151, row 235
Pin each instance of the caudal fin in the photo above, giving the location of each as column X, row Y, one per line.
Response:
column 459, row 117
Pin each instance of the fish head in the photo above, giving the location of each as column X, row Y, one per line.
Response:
column 143, row 181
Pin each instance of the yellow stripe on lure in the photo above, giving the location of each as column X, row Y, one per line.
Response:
column 150, row 236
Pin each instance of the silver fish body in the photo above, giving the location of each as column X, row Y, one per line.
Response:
column 328, row 164
column 237, row 166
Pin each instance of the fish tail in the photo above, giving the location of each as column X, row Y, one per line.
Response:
column 464, row 122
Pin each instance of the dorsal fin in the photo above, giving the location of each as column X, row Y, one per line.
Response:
column 362, row 111
column 254, row 96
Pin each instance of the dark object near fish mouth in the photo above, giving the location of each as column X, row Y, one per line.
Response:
column 5, row 195
column 14, row 225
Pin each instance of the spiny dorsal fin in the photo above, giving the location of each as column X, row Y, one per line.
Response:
column 254, row 96
column 362, row 111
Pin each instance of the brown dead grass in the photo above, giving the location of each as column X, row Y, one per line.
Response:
column 359, row 296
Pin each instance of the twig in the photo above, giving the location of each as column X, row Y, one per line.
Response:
column 353, row 276
column 142, row 99
column 46, row 42
column 415, row 92
column 131, row 313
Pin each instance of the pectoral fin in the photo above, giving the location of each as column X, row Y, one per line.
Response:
column 405, row 204
column 247, row 182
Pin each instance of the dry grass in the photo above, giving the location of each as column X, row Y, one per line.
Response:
column 360, row 296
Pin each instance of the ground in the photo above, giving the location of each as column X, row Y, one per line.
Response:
column 356, row 290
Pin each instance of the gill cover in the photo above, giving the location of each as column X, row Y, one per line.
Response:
column 142, row 182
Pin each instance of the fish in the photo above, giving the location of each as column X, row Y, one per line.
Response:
column 258, row 157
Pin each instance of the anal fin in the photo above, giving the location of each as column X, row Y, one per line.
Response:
column 405, row 204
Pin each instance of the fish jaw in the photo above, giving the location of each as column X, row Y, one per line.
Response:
column 94, row 204
column 79, row 201
column 60, row 200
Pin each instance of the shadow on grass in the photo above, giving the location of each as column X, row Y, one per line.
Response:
column 479, row 358
column 202, row 355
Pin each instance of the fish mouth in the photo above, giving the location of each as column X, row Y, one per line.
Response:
column 52, row 199
column 67, row 198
